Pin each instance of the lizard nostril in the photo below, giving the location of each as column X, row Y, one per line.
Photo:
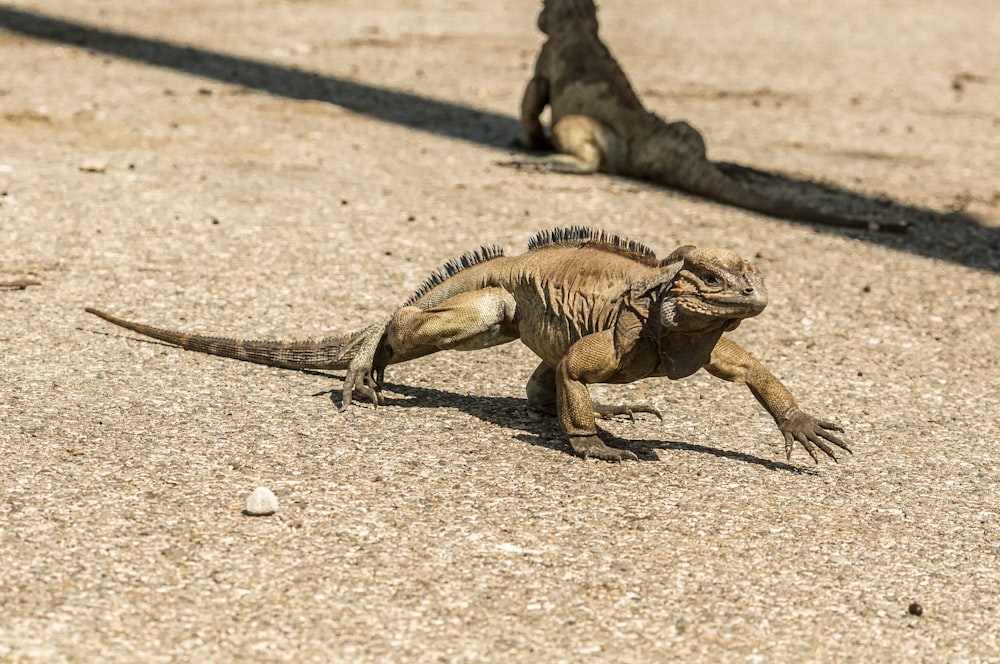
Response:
column 748, row 289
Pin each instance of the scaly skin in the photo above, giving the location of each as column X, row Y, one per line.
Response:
column 599, row 124
column 594, row 307
column 320, row 354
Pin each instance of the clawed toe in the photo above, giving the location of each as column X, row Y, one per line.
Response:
column 607, row 412
column 368, row 386
column 586, row 447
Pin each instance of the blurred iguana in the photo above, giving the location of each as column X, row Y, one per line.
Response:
column 595, row 307
column 599, row 124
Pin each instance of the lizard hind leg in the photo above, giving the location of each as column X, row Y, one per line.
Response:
column 468, row 321
column 541, row 389
column 366, row 356
column 583, row 145
column 586, row 145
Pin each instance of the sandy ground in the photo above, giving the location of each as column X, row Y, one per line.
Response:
column 288, row 169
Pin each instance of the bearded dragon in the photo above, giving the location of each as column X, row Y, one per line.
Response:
column 599, row 124
column 595, row 307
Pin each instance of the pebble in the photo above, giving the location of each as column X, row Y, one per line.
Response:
column 262, row 502
column 94, row 166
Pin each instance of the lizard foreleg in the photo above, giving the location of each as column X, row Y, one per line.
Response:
column 592, row 359
column 536, row 98
column 730, row 362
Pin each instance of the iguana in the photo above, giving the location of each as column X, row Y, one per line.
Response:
column 594, row 306
column 599, row 124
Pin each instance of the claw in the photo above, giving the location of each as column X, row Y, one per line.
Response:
column 810, row 448
column 834, row 439
column 373, row 387
column 347, row 392
column 649, row 410
column 829, row 425
column 818, row 442
column 518, row 165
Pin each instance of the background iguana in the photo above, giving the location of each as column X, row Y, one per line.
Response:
column 599, row 124
column 595, row 307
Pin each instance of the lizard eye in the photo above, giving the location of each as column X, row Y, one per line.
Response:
column 710, row 279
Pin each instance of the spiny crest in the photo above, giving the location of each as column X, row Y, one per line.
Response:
column 455, row 265
column 579, row 236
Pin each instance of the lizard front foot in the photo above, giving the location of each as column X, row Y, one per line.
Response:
column 607, row 412
column 592, row 446
column 811, row 433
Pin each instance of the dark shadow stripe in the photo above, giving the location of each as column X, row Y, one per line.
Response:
column 403, row 108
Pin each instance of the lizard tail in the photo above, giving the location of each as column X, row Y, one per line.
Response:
column 739, row 185
column 319, row 354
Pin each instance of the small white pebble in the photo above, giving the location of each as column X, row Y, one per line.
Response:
column 261, row 502
column 94, row 166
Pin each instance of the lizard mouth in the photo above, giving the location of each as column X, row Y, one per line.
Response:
column 753, row 304
column 732, row 311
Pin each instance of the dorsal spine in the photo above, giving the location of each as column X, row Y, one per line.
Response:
column 454, row 266
column 579, row 236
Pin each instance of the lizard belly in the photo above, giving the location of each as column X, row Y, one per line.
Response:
column 548, row 341
column 495, row 336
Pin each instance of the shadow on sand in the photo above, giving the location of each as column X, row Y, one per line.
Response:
column 543, row 431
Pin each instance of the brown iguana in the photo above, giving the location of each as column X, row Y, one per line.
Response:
column 599, row 124
column 595, row 307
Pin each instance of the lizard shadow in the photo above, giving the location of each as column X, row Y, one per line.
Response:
column 956, row 237
column 395, row 106
column 543, row 431
column 539, row 429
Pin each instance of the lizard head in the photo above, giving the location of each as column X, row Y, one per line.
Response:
column 711, row 285
column 567, row 14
